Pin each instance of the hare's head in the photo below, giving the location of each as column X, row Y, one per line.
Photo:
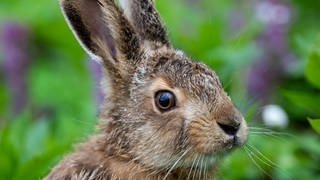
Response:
column 160, row 105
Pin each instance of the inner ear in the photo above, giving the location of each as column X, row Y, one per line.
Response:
column 86, row 20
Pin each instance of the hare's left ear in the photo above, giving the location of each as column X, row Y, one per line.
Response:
column 146, row 21
column 104, row 32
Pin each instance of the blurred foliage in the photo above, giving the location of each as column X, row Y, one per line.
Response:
column 313, row 76
column 315, row 123
column 61, row 108
column 313, row 68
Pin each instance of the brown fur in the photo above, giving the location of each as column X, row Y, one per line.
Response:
column 135, row 139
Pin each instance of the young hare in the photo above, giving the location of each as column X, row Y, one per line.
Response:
column 164, row 117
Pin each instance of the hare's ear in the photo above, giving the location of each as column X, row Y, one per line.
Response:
column 146, row 21
column 103, row 31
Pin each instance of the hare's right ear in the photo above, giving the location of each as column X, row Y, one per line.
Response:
column 146, row 21
column 103, row 31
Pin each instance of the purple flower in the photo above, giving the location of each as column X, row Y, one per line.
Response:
column 14, row 41
column 263, row 79
column 237, row 21
column 266, row 74
column 273, row 12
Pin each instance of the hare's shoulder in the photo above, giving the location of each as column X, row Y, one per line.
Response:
column 86, row 162
column 92, row 160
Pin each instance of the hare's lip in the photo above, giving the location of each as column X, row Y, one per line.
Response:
column 232, row 143
column 237, row 141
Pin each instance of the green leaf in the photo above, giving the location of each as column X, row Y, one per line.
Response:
column 305, row 101
column 313, row 69
column 315, row 124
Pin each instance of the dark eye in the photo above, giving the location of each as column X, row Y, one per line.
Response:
column 165, row 100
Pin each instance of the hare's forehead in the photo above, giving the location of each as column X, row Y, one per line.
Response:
column 193, row 78
column 201, row 85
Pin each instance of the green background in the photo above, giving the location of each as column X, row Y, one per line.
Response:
column 62, row 110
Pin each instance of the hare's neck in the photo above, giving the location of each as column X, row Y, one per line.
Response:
column 98, row 159
column 120, row 165
column 131, row 170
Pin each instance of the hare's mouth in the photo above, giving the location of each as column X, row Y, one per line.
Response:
column 211, row 147
column 233, row 143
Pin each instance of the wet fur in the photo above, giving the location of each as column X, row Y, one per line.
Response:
column 136, row 140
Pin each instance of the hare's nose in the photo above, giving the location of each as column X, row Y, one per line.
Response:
column 230, row 129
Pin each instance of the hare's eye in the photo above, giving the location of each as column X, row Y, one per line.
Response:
column 165, row 100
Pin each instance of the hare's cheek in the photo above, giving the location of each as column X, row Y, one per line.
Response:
column 153, row 146
column 206, row 137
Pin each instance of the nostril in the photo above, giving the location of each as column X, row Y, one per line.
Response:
column 229, row 129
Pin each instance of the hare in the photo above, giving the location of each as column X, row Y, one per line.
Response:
column 164, row 116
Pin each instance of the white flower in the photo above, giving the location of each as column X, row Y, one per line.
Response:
column 274, row 116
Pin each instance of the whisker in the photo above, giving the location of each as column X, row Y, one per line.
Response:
column 269, row 132
column 249, row 153
column 273, row 132
column 260, row 128
column 193, row 162
column 269, row 162
column 279, row 138
column 200, row 173
column 196, row 168
column 205, row 169
column 262, row 157
column 266, row 158
column 172, row 167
